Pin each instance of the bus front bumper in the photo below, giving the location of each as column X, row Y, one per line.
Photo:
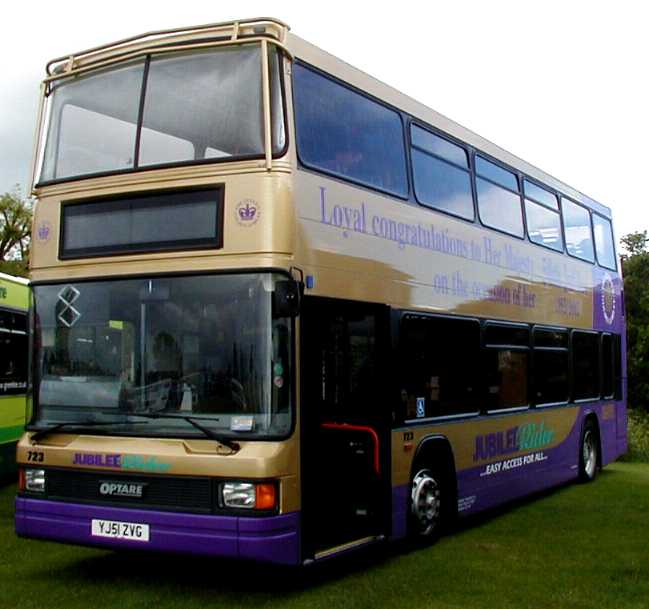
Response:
column 270, row 539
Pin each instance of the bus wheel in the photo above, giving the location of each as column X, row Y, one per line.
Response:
column 426, row 504
column 588, row 455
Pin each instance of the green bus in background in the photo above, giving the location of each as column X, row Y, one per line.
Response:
column 14, row 305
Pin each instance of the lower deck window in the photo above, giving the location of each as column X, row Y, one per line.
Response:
column 551, row 366
column 439, row 359
column 608, row 381
column 506, row 365
column 506, row 372
column 585, row 365
column 551, row 381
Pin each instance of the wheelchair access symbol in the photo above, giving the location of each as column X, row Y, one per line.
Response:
column 421, row 407
column 66, row 313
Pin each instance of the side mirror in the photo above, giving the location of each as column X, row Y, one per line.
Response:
column 287, row 298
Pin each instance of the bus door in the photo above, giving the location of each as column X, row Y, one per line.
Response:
column 345, row 424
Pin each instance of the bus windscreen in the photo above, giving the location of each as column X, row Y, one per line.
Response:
column 203, row 347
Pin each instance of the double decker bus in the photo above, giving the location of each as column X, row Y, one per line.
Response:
column 282, row 311
column 14, row 304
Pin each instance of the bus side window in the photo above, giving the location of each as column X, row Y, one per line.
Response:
column 585, row 365
column 343, row 132
column 13, row 353
column 608, row 373
column 507, row 359
column 617, row 365
column 499, row 200
column 577, row 227
column 551, row 366
column 439, row 360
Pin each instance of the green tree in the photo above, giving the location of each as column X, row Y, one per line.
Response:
column 635, row 243
column 15, row 227
column 636, row 296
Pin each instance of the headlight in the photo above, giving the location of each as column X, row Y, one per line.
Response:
column 248, row 495
column 35, row 480
column 238, row 494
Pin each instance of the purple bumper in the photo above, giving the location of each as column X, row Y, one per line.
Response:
column 270, row 539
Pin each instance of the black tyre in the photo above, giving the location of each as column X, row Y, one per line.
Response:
column 588, row 451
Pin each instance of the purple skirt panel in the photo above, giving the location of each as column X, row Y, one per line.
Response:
column 274, row 538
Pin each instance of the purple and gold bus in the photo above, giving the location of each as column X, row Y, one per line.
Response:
column 282, row 311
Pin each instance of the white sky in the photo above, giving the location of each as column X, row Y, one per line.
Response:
column 562, row 84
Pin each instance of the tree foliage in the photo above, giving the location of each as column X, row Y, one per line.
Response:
column 15, row 228
column 635, row 243
column 636, row 296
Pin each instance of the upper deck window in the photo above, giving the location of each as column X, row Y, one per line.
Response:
column 438, row 146
column 542, row 215
column 576, row 221
column 347, row 134
column 499, row 207
column 93, row 123
column 495, row 173
column 541, row 195
column 604, row 241
column 441, row 173
column 197, row 106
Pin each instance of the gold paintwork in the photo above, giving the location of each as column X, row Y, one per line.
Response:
column 262, row 460
column 608, row 412
column 379, row 269
column 268, row 152
column 244, row 246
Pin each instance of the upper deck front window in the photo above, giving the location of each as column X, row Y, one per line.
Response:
column 168, row 108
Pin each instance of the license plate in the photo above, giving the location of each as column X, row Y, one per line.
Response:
column 134, row 531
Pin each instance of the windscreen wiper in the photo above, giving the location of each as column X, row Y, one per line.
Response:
column 41, row 433
column 233, row 446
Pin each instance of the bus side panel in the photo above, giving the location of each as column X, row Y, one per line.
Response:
column 607, row 420
column 498, row 458
column 622, row 420
column 622, row 441
column 608, row 316
column 400, row 504
column 549, row 458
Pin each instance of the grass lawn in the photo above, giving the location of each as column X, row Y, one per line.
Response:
column 581, row 546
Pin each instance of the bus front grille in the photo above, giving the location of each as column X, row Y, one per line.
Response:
column 173, row 493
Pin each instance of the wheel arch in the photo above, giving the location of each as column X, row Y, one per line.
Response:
column 591, row 415
column 434, row 449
